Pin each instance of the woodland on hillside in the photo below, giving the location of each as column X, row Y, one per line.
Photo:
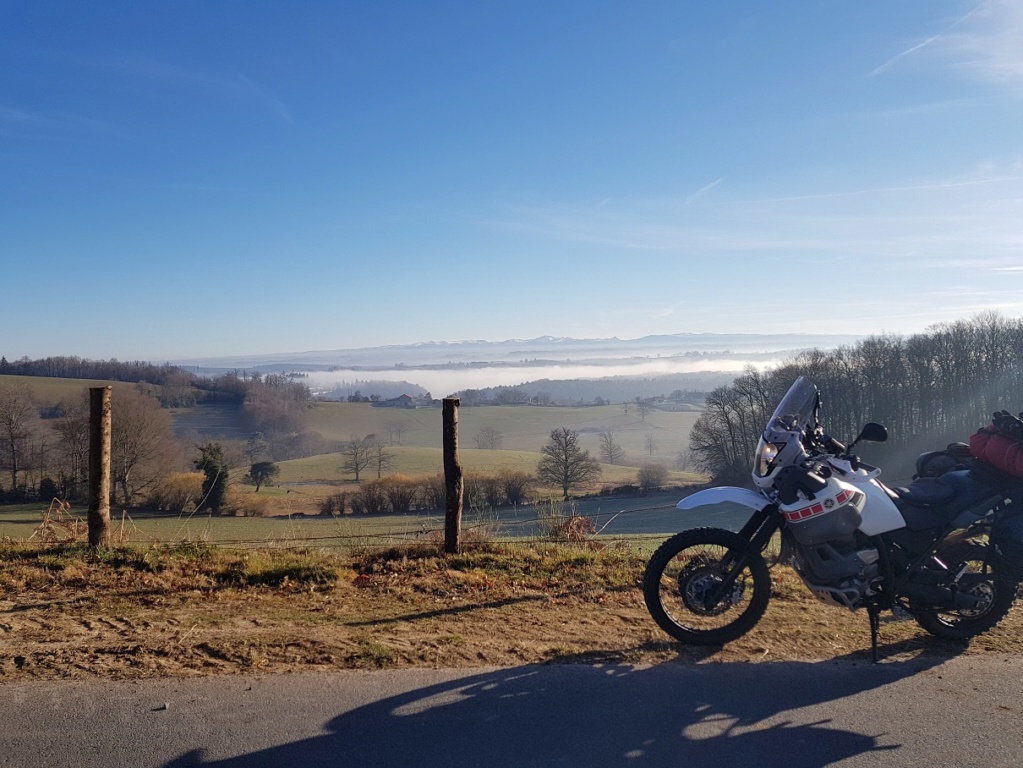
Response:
column 928, row 389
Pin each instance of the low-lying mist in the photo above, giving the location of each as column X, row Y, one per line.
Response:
column 447, row 381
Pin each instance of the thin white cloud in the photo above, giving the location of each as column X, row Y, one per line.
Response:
column 56, row 123
column 269, row 99
column 939, row 185
column 238, row 85
column 985, row 44
column 703, row 190
column 934, row 223
column 989, row 44
column 14, row 115
column 573, row 226
column 891, row 62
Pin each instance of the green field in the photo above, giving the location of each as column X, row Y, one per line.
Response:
column 50, row 391
column 21, row 522
column 640, row 520
column 656, row 438
column 523, row 427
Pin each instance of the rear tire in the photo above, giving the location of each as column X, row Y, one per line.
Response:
column 686, row 568
column 981, row 579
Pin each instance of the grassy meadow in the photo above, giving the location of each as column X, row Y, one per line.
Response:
column 50, row 391
column 523, row 427
column 413, row 442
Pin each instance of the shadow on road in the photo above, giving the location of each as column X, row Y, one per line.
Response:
column 672, row 714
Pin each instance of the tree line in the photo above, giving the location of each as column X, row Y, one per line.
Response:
column 929, row 389
column 73, row 367
column 172, row 385
column 44, row 450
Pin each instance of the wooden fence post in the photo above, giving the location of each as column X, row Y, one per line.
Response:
column 99, row 466
column 452, row 478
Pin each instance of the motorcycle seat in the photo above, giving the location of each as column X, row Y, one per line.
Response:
column 926, row 492
column 962, row 486
column 929, row 502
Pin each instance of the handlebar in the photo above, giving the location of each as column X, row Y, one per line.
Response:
column 832, row 445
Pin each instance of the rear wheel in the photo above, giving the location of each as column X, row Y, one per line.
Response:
column 982, row 580
column 684, row 577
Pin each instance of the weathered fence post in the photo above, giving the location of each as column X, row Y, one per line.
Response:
column 99, row 466
column 452, row 478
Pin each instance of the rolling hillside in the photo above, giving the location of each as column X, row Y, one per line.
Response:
column 413, row 437
column 523, row 428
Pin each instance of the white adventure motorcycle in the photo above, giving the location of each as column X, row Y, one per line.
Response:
column 947, row 550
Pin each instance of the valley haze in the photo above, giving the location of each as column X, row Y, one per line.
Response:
column 445, row 367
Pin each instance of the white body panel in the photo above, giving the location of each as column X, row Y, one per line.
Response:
column 880, row 514
column 743, row 496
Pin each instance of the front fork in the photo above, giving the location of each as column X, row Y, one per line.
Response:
column 757, row 531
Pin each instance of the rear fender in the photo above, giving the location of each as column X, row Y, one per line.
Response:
column 722, row 495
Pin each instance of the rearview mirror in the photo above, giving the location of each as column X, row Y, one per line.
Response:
column 872, row 432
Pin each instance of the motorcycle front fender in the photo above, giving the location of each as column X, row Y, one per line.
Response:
column 723, row 495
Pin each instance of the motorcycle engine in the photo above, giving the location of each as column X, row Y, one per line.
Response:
column 837, row 572
column 822, row 530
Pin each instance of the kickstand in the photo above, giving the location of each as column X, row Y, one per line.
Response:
column 874, row 614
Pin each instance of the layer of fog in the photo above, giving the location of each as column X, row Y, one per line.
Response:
column 444, row 382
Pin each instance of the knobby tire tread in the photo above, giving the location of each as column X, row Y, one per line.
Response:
column 1005, row 596
column 746, row 620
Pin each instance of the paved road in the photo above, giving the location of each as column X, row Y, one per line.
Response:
column 960, row 712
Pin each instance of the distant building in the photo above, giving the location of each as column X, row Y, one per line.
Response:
column 402, row 401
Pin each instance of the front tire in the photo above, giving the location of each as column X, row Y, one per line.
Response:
column 981, row 579
column 684, row 572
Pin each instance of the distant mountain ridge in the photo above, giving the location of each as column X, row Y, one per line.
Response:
column 539, row 351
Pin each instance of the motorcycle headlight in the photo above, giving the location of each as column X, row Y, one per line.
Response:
column 767, row 453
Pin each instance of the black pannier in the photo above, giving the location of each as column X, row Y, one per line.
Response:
column 1007, row 540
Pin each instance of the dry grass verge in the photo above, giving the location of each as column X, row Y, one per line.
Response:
column 193, row 609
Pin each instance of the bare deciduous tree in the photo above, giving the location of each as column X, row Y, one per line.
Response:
column 684, row 460
column 143, row 448
column 489, row 438
column 611, row 450
column 18, row 419
column 564, row 463
column 72, row 428
column 644, row 407
column 356, row 454
column 929, row 389
column 395, row 430
column 381, row 458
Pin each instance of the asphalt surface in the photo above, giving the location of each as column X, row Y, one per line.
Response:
column 963, row 711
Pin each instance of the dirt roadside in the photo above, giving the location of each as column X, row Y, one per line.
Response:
column 64, row 615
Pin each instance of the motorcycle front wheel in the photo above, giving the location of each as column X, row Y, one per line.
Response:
column 980, row 579
column 683, row 578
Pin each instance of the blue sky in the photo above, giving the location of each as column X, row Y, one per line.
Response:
column 186, row 179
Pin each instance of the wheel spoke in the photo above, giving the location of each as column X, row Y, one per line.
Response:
column 979, row 578
column 693, row 592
